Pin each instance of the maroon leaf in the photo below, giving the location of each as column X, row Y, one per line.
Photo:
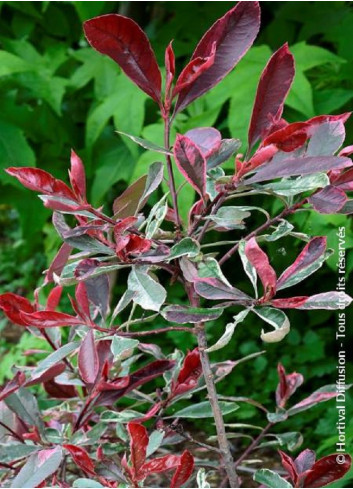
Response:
column 189, row 374
column 193, row 70
column 60, row 391
column 260, row 262
column 41, row 181
column 327, row 470
column 289, row 465
column 97, row 288
column 59, row 262
column 54, row 298
column 160, row 464
column 12, row 385
column 215, row 289
column 13, row 305
column 81, row 459
column 169, row 60
column 329, row 200
column 311, row 252
column 191, row 163
column 288, row 384
column 78, row 176
column 304, row 461
column 128, row 202
column 138, row 447
column 298, row 166
column 320, row 119
column 290, row 303
column 124, row 41
column 184, row 470
column 81, row 305
column 261, row 156
column 208, row 139
column 344, row 180
column 272, row 90
column 289, row 137
column 49, row 319
column 48, row 375
column 88, row 363
column 233, row 35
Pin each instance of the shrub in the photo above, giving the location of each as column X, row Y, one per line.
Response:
column 91, row 421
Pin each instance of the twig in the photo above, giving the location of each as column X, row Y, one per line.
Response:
column 13, row 433
column 156, row 331
column 253, row 444
column 170, row 171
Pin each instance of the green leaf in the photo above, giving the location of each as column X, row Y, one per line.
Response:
column 154, row 442
column 119, row 416
column 37, row 469
column 248, row 268
column 204, row 410
column 270, row 479
column 146, row 144
column 148, row 293
column 156, row 217
column 300, row 96
column 25, row 405
column 283, row 228
column 186, row 314
column 186, row 247
column 11, row 452
column 277, row 319
column 294, row 186
column 121, row 346
column 83, row 482
column 54, row 357
column 230, row 217
column 227, row 335
column 327, row 300
column 14, row 151
column 10, row 64
column 87, row 10
column 154, row 178
column 209, row 268
column 307, row 57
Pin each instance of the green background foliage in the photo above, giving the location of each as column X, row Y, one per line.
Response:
column 56, row 93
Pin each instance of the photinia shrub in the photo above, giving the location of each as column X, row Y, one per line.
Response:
column 111, row 413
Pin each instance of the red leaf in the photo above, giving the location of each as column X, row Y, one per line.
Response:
column 290, row 303
column 191, row 163
column 320, row 119
column 208, row 139
column 327, row 470
column 78, row 176
column 288, row 384
column 169, row 59
column 81, row 459
column 260, row 157
column 189, row 374
column 138, row 446
column 88, row 363
column 13, row 305
column 125, row 42
column 344, row 180
column 54, row 298
column 310, row 253
column 259, row 260
column 304, row 461
column 289, row 466
column 193, row 70
column 48, row 375
column 135, row 245
column 49, row 319
column 184, row 470
column 329, row 200
column 272, row 90
column 233, row 35
column 321, row 395
column 290, row 137
column 41, row 181
column 82, row 305
column 59, row 262
column 60, row 391
column 12, row 385
column 160, row 464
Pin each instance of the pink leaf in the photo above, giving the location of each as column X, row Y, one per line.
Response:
column 138, row 446
column 184, row 470
column 289, row 465
column 160, row 464
column 233, row 35
column 49, row 319
column 12, row 385
column 54, row 298
column 81, row 459
column 327, row 470
column 125, row 42
column 13, row 305
column 78, row 176
column 329, row 200
column 193, row 70
column 311, row 252
column 191, row 163
column 169, row 60
column 321, row 395
column 208, row 139
column 260, row 262
column 88, row 363
column 41, row 181
column 272, row 90
column 344, row 180
column 305, row 460
column 288, row 384
column 290, row 303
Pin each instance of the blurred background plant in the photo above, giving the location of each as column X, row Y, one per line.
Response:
column 57, row 93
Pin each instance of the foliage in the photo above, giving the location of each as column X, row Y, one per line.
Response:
column 154, row 232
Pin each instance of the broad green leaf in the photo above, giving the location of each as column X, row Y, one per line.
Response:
column 332, row 99
column 121, row 346
column 277, row 319
column 156, row 217
column 83, row 482
column 14, row 151
column 124, row 301
column 10, row 452
column 186, row 247
column 38, row 467
column 280, row 415
column 230, row 217
column 54, row 357
column 227, row 335
column 270, row 479
column 294, row 186
column 209, row 268
column 186, row 314
column 300, row 96
column 248, row 268
column 25, row 405
column 87, row 10
column 204, row 410
column 154, row 442
column 307, row 56
column 148, row 293
column 10, row 64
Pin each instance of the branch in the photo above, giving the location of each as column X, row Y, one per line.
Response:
column 253, row 445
